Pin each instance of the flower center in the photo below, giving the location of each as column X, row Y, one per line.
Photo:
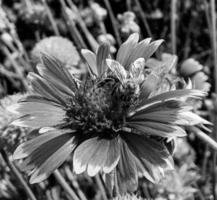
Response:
column 100, row 108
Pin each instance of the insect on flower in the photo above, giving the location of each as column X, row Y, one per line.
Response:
column 116, row 122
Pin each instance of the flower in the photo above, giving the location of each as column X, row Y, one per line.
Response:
column 60, row 48
column 128, row 24
column 193, row 69
column 113, row 122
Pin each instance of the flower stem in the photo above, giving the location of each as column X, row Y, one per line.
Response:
column 16, row 67
column 17, row 175
column 74, row 183
column 113, row 21
column 65, row 185
column 51, row 18
column 173, row 25
column 213, row 19
column 72, row 28
column 143, row 17
column 101, row 187
column 207, row 139
column 93, row 43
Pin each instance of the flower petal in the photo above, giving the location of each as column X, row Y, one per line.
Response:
column 43, row 88
column 56, row 70
column 37, row 115
column 190, row 119
column 146, row 148
column 126, row 170
column 137, row 67
column 176, row 94
column 157, row 129
column 117, row 69
column 56, row 82
column 96, row 154
column 42, row 153
column 39, row 99
column 26, row 148
column 144, row 49
column 102, row 54
column 113, row 155
column 126, row 49
column 90, row 57
column 52, row 163
column 24, row 108
column 91, row 155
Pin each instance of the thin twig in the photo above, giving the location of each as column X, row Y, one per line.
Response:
column 113, row 21
column 17, row 175
column 65, row 185
column 143, row 17
column 173, row 25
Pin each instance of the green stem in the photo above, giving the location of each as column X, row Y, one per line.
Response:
column 17, row 175
column 65, row 185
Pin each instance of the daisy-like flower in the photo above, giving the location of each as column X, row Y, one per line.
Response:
column 113, row 122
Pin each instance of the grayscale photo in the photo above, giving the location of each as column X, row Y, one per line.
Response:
column 108, row 100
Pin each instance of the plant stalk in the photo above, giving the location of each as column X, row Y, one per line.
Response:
column 65, row 185
column 17, row 175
